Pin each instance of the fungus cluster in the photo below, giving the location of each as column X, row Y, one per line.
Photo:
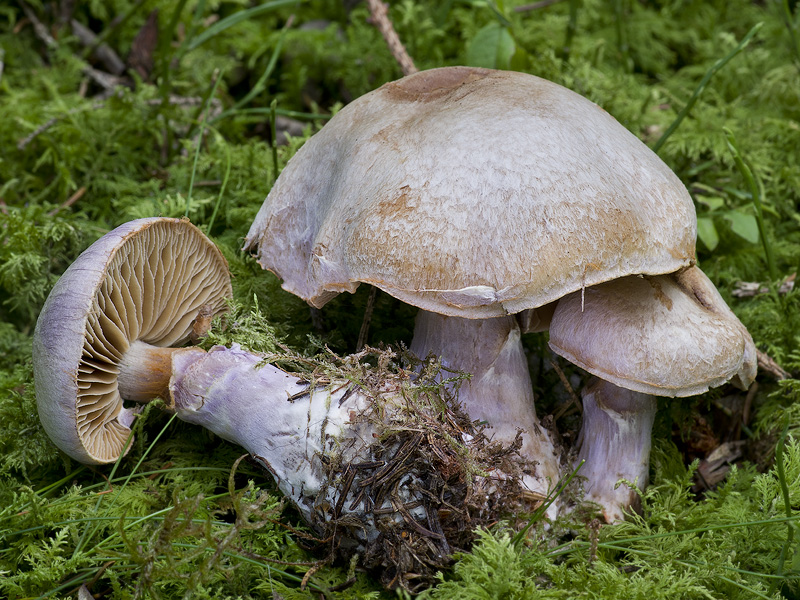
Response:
column 489, row 199
column 497, row 203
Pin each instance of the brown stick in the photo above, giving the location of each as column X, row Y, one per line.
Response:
column 576, row 402
column 380, row 18
column 110, row 59
column 69, row 201
column 39, row 29
column 767, row 363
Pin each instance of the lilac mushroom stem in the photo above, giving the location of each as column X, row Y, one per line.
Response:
column 499, row 390
column 271, row 414
column 614, row 444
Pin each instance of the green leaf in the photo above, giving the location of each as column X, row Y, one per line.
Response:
column 491, row 48
column 707, row 232
column 235, row 19
column 743, row 225
column 712, row 202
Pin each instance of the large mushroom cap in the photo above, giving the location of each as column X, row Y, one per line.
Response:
column 472, row 193
column 147, row 280
column 670, row 335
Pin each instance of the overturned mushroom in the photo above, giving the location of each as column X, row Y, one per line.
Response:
column 474, row 195
column 669, row 335
column 386, row 471
column 106, row 330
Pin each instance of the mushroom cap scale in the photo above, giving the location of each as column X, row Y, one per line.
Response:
column 147, row 280
column 669, row 335
column 472, row 193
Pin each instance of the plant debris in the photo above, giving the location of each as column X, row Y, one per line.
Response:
column 408, row 498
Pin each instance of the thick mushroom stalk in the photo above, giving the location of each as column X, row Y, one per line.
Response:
column 270, row 413
column 499, row 390
column 614, row 444
column 669, row 335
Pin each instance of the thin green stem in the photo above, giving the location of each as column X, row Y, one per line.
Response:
column 145, row 454
column 165, row 85
column 755, row 195
column 164, row 43
column 572, row 28
column 261, row 84
column 543, row 508
column 791, row 25
column 265, row 110
column 200, row 140
column 235, row 19
column 86, row 535
column 703, row 83
column 224, row 185
column 787, row 502
column 274, row 138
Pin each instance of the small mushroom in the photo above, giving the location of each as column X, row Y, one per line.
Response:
column 669, row 335
column 107, row 336
column 108, row 326
column 474, row 195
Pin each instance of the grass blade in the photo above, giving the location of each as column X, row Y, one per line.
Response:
column 703, row 83
column 755, row 193
column 234, row 19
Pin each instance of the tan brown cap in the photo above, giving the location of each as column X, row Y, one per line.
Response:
column 669, row 335
column 472, row 193
column 148, row 280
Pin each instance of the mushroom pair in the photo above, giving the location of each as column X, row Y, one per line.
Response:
column 349, row 460
column 490, row 198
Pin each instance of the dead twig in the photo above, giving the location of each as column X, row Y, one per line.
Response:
column 380, row 18
column 69, row 201
column 103, row 52
column 39, row 29
column 47, row 125
column 748, row 289
column 107, row 81
column 767, row 363
column 575, row 401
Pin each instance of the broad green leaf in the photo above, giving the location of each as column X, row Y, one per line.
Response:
column 743, row 225
column 712, row 202
column 707, row 232
column 491, row 48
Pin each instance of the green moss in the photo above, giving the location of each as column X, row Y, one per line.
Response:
column 76, row 162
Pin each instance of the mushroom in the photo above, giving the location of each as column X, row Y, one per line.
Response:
column 351, row 465
column 668, row 335
column 105, row 331
column 474, row 195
